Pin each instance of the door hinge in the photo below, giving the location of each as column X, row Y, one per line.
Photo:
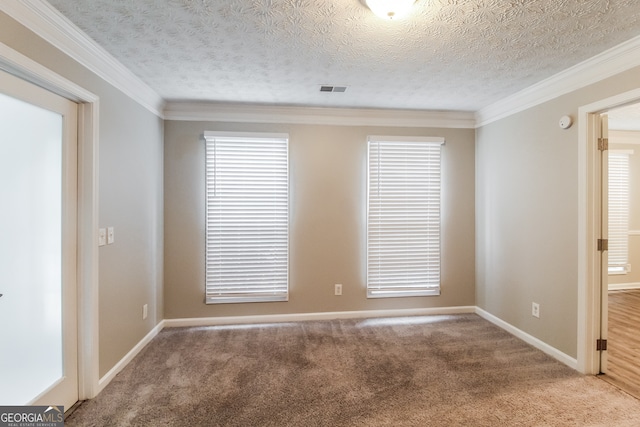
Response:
column 603, row 245
column 601, row 345
column 603, row 144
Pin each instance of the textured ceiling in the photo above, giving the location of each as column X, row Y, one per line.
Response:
column 448, row 55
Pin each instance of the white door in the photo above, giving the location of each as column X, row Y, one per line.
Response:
column 38, row 223
column 604, row 232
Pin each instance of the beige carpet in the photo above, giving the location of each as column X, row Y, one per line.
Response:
column 413, row 371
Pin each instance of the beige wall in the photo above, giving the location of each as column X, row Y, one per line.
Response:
column 130, row 199
column 509, row 234
column 527, row 211
column 327, row 232
column 632, row 277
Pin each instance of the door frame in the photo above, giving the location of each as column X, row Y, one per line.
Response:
column 589, row 204
column 21, row 66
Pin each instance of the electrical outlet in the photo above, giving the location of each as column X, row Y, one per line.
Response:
column 145, row 311
column 535, row 309
column 338, row 289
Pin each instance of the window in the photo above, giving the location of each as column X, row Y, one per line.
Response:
column 403, row 217
column 618, row 211
column 247, row 219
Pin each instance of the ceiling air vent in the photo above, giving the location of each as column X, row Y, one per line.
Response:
column 325, row 88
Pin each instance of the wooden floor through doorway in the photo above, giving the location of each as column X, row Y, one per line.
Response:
column 623, row 343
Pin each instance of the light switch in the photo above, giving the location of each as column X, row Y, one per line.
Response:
column 110, row 235
column 102, row 237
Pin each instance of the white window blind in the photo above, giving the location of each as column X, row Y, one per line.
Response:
column 403, row 217
column 618, row 212
column 247, row 219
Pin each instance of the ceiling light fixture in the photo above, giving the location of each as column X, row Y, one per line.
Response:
column 390, row 9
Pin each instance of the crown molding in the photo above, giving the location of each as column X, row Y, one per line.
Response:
column 45, row 21
column 606, row 64
column 252, row 113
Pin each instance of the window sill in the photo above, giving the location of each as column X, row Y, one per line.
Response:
column 619, row 270
column 396, row 294
column 240, row 300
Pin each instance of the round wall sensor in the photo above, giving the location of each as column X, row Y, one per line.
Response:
column 565, row 122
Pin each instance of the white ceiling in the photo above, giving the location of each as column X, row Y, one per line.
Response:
column 448, row 55
column 625, row 118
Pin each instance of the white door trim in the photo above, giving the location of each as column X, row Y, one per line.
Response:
column 88, row 109
column 589, row 295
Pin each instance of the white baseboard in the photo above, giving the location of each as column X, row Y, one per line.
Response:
column 624, row 286
column 296, row 317
column 530, row 339
column 109, row 376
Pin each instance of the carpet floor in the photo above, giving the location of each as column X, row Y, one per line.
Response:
column 414, row 371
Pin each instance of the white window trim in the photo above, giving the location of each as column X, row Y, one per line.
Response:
column 208, row 135
column 378, row 291
column 215, row 295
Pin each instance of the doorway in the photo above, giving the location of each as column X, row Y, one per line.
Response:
column 591, row 275
column 38, row 306
column 621, row 365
